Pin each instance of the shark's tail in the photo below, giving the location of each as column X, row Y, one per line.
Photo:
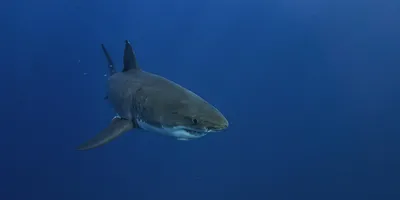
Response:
column 111, row 67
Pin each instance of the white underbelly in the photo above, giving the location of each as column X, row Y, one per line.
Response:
column 178, row 133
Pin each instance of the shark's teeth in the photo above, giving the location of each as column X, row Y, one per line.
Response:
column 194, row 132
column 177, row 131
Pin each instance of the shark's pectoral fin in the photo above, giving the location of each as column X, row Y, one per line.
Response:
column 117, row 127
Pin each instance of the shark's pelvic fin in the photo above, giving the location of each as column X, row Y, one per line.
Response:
column 117, row 127
column 129, row 58
column 111, row 67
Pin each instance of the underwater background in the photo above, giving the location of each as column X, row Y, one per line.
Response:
column 311, row 90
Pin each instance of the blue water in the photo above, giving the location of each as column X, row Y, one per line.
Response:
column 311, row 89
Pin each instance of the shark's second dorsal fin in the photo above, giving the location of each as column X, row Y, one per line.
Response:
column 129, row 58
column 111, row 67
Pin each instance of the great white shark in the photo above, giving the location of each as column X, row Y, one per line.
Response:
column 142, row 100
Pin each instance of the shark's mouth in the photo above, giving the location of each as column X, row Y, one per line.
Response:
column 196, row 132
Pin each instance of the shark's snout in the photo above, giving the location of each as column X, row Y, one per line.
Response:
column 224, row 125
column 220, row 123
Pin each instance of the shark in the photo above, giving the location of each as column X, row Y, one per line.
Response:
column 147, row 101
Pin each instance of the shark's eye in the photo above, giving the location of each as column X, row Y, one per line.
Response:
column 194, row 121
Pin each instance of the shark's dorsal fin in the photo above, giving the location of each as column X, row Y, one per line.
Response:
column 129, row 58
column 111, row 67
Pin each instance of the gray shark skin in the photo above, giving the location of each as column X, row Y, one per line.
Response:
column 143, row 100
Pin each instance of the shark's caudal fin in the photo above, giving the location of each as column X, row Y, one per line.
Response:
column 111, row 66
column 117, row 127
column 129, row 58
